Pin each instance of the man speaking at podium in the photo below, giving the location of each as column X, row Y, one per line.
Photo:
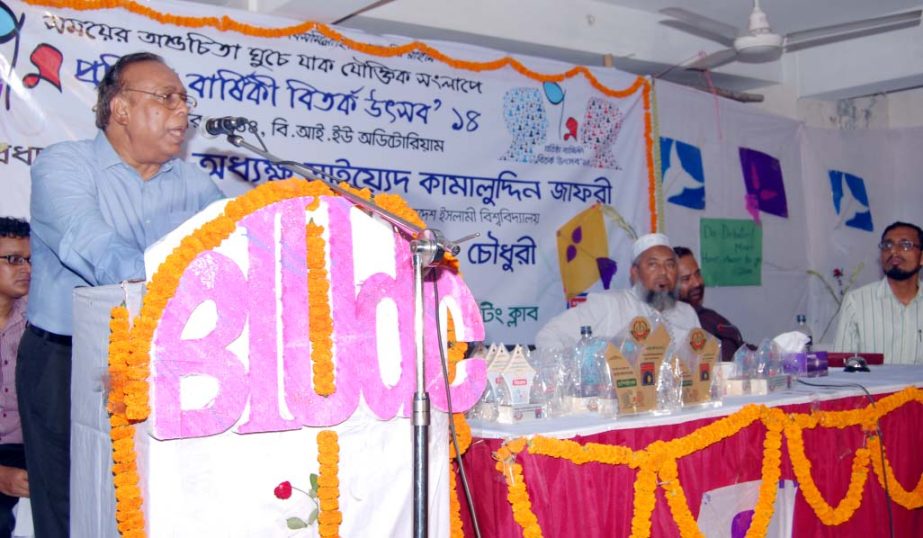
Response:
column 96, row 206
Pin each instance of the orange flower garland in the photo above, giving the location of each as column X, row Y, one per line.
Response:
column 802, row 467
column 654, row 188
column 320, row 318
column 644, row 500
column 516, row 484
column 910, row 500
column 456, row 527
column 771, row 472
column 328, row 484
column 676, row 498
column 227, row 24
column 659, row 460
column 129, row 518
column 456, row 352
column 462, row 432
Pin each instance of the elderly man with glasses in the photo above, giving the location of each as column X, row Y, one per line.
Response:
column 96, row 206
column 887, row 316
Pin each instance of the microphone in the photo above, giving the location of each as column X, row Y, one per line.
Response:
column 225, row 126
column 453, row 247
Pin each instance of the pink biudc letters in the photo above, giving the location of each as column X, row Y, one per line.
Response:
column 246, row 298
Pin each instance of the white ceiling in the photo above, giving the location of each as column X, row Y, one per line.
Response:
column 585, row 31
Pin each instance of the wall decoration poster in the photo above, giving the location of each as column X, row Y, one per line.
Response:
column 731, row 252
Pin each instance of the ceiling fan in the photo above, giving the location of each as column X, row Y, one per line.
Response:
column 758, row 43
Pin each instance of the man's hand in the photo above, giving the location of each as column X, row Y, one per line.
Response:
column 14, row 482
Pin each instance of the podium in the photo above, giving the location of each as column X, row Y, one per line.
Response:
column 235, row 409
column 91, row 491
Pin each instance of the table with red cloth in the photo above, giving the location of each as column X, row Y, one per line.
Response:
column 595, row 499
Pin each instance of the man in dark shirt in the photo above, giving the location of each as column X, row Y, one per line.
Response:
column 692, row 291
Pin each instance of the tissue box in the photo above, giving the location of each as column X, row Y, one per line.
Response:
column 813, row 364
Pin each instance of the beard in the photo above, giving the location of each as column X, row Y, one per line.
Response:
column 659, row 300
column 694, row 296
column 896, row 273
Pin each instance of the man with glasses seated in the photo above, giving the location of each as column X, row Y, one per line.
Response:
column 96, row 206
column 887, row 316
column 15, row 270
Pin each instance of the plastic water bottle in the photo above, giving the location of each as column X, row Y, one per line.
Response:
column 587, row 352
column 802, row 326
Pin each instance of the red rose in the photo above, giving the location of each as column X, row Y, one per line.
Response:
column 283, row 490
column 837, row 273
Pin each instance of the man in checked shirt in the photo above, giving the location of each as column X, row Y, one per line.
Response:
column 15, row 273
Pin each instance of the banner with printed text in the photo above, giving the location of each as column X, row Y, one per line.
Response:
column 475, row 145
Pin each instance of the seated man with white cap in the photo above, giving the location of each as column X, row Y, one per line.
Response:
column 654, row 292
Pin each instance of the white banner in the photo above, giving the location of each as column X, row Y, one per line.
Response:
column 841, row 188
column 475, row 144
column 727, row 160
column 862, row 181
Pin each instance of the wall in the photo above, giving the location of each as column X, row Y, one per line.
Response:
column 879, row 111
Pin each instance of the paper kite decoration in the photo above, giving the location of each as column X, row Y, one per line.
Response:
column 852, row 203
column 763, row 179
column 583, row 252
column 681, row 170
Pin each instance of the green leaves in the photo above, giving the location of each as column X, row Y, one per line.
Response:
column 297, row 523
column 285, row 492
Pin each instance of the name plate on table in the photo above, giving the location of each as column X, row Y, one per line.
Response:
column 700, row 354
column 635, row 379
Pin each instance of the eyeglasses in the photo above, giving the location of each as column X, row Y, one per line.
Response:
column 171, row 100
column 16, row 259
column 903, row 244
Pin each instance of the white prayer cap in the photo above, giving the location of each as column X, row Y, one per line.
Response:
column 649, row 241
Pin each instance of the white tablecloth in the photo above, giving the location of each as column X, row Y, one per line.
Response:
column 881, row 380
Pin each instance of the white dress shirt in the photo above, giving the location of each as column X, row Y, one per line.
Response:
column 608, row 314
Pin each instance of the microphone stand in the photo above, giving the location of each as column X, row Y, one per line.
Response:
column 427, row 248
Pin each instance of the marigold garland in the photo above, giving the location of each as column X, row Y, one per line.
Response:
column 676, row 499
column 456, row 526
column 516, row 485
column 802, row 467
column 771, row 472
column 228, row 24
column 456, row 352
column 910, row 500
column 654, row 189
column 462, row 432
column 129, row 519
column 656, row 157
column 659, row 460
column 328, row 484
column 319, row 315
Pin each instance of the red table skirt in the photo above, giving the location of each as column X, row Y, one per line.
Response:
column 595, row 499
